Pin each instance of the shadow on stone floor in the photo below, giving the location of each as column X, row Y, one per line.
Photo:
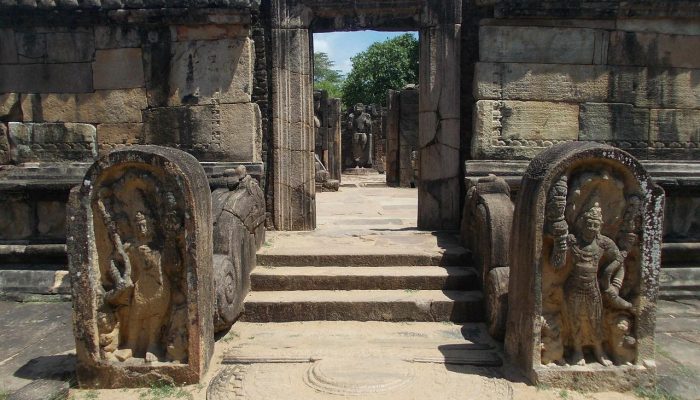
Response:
column 60, row 367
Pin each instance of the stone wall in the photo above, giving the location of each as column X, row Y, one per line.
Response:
column 631, row 83
column 75, row 84
column 93, row 88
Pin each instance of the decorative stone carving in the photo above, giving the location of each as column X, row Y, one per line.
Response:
column 488, row 214
column 239, row 231
column 584, row 265
column 140, row 246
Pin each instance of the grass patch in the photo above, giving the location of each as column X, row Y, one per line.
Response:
column 159, row 391
column 410, row 290
column 655, row 393
column 230, row 336
column 542, row 386
column 563, row 394
column 90, row 395
column 4, row 394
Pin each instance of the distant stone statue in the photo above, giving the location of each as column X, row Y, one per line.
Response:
column 140, row 254
column 360, row 124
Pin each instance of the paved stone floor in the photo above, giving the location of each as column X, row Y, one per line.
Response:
column 334, row 360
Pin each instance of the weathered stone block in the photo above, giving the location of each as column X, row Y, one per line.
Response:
column 112, row 136
column 8, row 48
column 9, row 106
column 670, row 26
column 204, row 70
column 102, row 106
column 542, row 45
column 615, row 122
column 116, row 37
column 675, row 126
column 216, row 132
column 585, row 255
column 5, row 156
column 118, row 69
column 16, row 218
column 209, row 32
column 31, row 47
column 521, row 129
column 52, row 142
column 543, row 82
column 67, row 47
column 46, row 78
column 653, row 49
column 51, row 219
column 140, row 260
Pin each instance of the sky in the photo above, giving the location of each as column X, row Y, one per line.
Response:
column 340, row 46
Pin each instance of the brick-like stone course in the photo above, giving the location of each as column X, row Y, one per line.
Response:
column 630, row 84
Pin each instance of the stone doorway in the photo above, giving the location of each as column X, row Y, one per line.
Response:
column 292, row 177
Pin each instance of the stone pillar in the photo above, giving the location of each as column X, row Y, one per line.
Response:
column 392, row 138
column 408, row 136
column 335, row 162
column 439, row 119
column 585, row 254
column 292, row 130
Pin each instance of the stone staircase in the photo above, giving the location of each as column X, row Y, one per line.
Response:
column 413, row 285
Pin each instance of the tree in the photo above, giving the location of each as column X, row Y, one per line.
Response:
column 391, row 64
column 325, row 77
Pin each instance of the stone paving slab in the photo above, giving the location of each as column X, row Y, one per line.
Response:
column 35, row 342
column 30, row 328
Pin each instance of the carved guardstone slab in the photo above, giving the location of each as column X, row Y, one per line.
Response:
column 585, row 253
column 140, row 258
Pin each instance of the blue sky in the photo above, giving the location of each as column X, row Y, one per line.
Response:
column 340, row 46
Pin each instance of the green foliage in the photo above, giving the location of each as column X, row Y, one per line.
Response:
column 325, row 77
column 160, row 391
column 391, row 64
column 655, row 393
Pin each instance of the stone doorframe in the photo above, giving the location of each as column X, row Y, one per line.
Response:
column 292, row 175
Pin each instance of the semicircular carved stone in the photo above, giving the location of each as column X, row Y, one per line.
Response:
column 585, row 255
column 140, row 258
column 239, row 231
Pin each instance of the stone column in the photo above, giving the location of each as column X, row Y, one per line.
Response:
column 438, row 132
column 292, row 130
column 392, row 138
column 335, row 161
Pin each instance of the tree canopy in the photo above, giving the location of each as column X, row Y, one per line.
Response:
column 391, row 64
column 325, row 77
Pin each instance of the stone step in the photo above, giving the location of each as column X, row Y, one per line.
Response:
column 680, row 283
column 364, row 278
column 451, row 257
column 364, row 305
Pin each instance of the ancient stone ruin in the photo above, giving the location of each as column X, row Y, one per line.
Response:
column 584, row 268
column 488, row 215
column 402, row 137
column 239, row 230
column 140, row 257
column 359, row 137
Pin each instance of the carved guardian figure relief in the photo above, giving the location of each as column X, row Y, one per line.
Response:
column 590, row 267
column 142, row 313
